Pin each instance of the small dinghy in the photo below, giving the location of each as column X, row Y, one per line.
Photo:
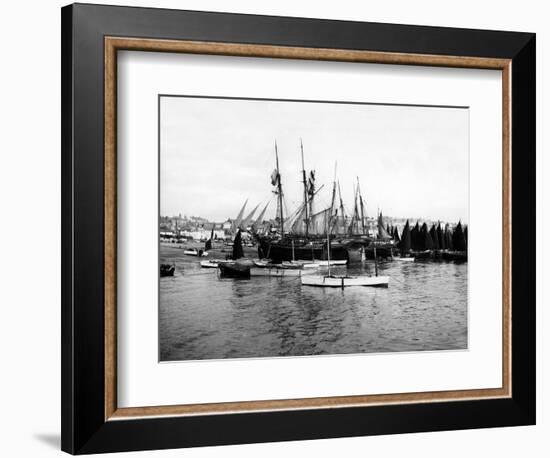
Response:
column 342, row 281
column 211, row 263
column 404, row 259
column 195, row 252
column 167, row 270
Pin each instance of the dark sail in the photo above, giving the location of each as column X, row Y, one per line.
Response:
column 237, row 246
column 425, row 239
column 448, row 238
column 466, row 236
column 396, row 235
column 441, row 238
column 415, row 237
column 434, row 237
column 208, row 244
column 405, row 243
column 459, row 241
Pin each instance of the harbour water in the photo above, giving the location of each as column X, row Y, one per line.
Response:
column 202, row 316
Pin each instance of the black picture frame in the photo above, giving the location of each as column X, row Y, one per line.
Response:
column 84, row 428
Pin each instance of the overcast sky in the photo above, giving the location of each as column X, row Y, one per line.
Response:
column 216, row 153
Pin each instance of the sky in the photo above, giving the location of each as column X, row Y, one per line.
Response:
column 411, row 161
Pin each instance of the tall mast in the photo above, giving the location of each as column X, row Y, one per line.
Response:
column 362, row 207
column 328, row 247
column 305, row 187
column 279, row 190
column 333, row 195
column 342, row 208
column 355, row 216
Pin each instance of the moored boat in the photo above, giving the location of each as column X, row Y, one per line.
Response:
column 167, row 270
column 234, row 270
column 195, row 252
column 342, row 281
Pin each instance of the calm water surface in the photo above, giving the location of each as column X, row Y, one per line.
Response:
column 205, row 317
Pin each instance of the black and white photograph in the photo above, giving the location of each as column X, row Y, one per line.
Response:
column 301, row 228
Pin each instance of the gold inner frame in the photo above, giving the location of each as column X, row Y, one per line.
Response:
column 114, row 44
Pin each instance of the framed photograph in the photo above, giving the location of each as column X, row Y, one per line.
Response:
column 282, row 228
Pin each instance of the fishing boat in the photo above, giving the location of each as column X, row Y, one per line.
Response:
column 342, row 281
column 236, row 268
column 404, row 259
column 300, row 235
column 167, row 270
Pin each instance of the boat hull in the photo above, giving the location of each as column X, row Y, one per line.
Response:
column 279, row 251
column 343, row 281
column 167, row 270
column 234, row 270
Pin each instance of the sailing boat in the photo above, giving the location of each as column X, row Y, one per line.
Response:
column 303, row 239
column 405, row 244
column 341, row 281
column 208, row 243
column 235, row 268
